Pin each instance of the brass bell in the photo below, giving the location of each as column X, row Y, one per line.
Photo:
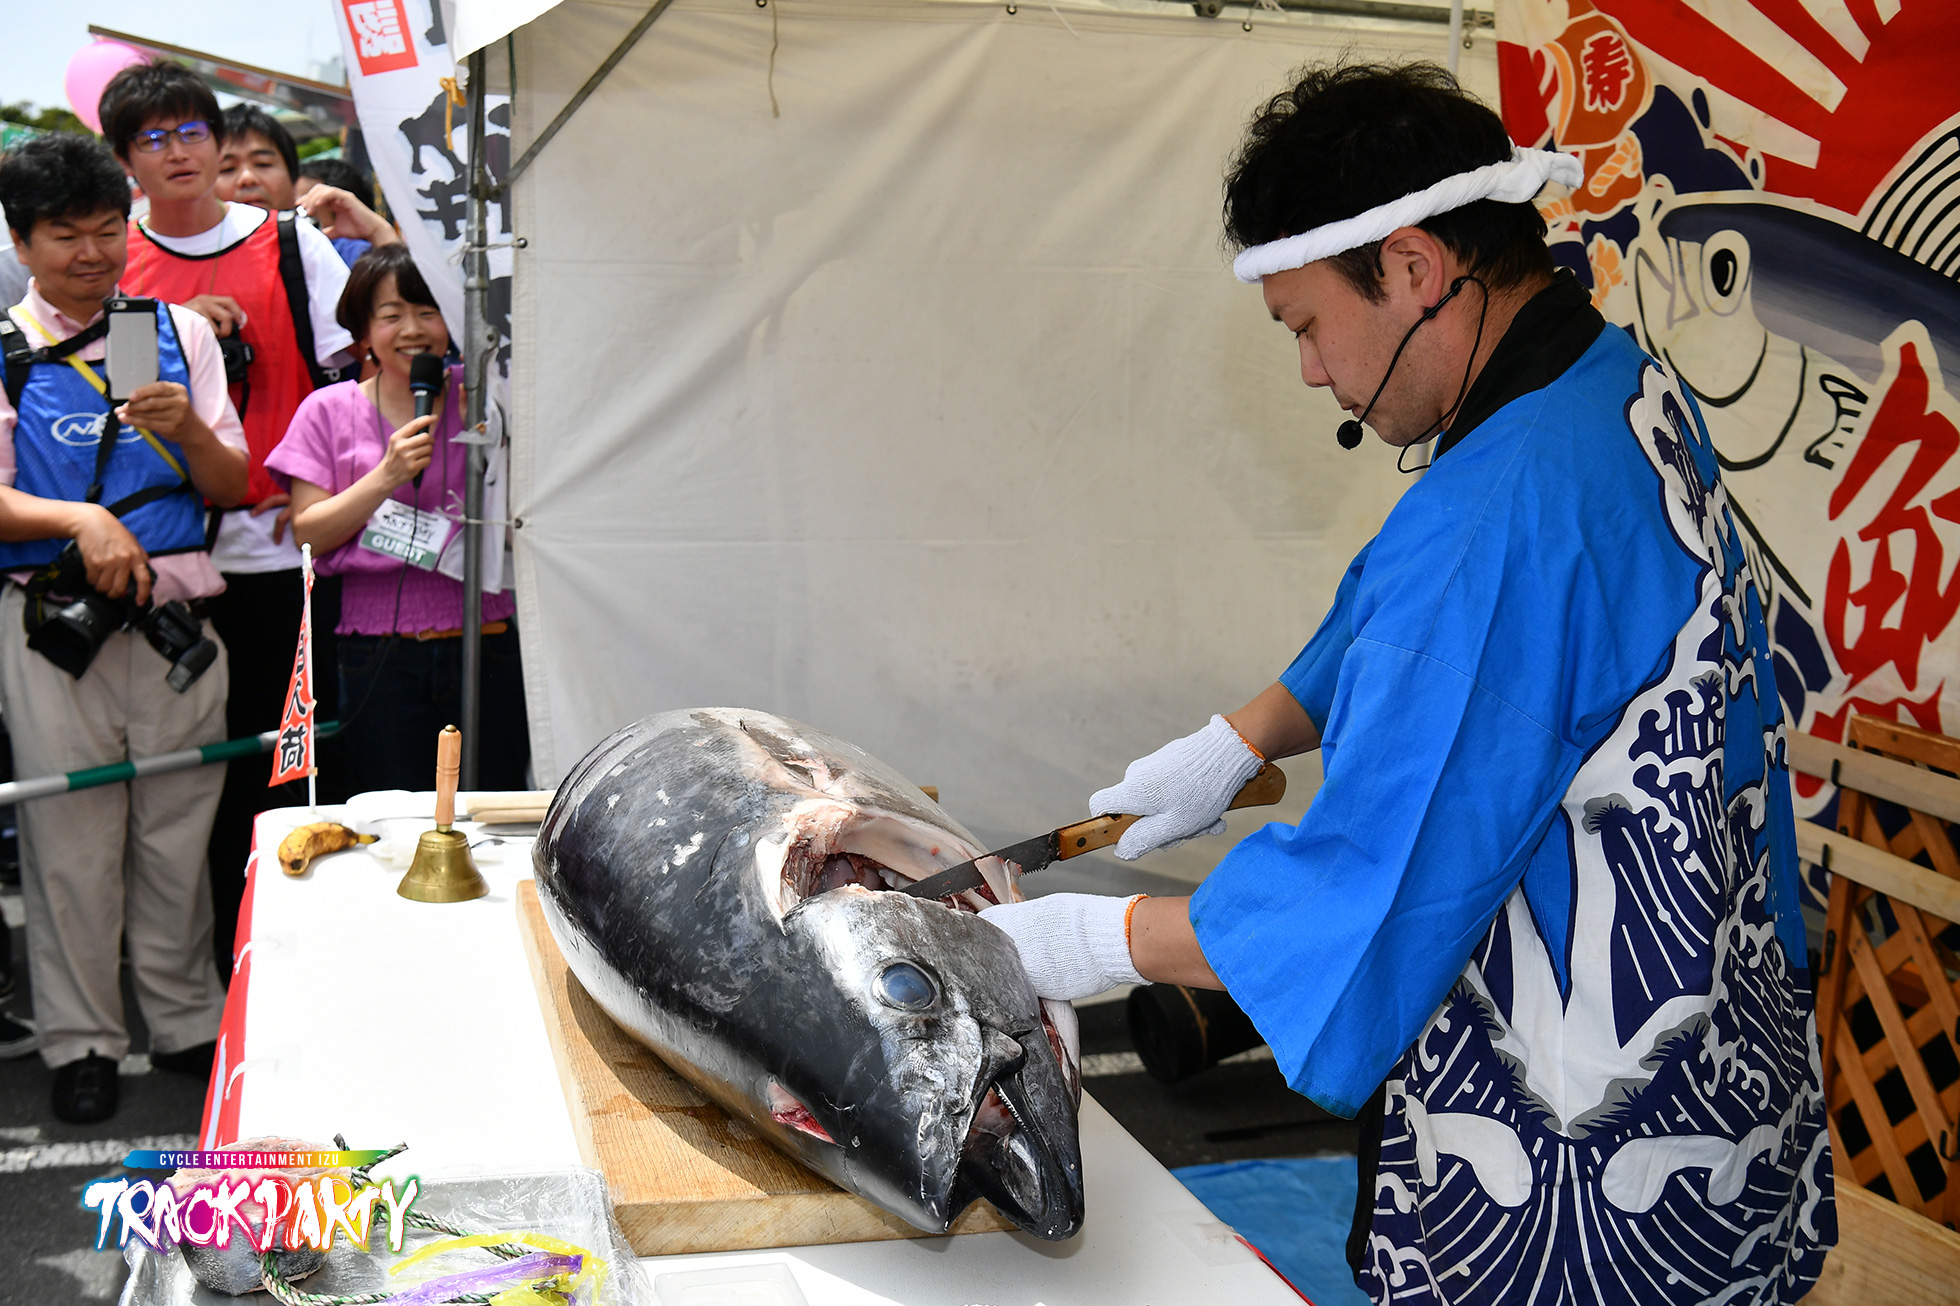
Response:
column 443, row 870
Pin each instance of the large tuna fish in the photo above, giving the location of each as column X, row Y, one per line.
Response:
column 717, row 880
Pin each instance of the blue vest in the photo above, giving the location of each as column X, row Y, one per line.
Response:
column 59, row 423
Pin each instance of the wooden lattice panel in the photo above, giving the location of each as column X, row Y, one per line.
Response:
column 1889, row 1000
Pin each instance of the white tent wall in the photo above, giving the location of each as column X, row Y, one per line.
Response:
column 928, row 412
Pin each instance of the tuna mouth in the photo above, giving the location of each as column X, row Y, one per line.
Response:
column 1008, row 1159
column 786, row 1109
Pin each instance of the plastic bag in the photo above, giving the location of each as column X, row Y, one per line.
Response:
column 571, row 1206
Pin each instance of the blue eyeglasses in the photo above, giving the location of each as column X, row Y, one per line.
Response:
column 194, row 132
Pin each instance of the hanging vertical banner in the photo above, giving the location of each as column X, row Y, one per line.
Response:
column 292, row 752
column 415, row 120
column 1772, row 206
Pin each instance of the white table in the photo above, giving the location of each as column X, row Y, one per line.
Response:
column 386, row 1020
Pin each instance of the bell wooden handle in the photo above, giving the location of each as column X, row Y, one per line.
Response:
column 449, row 761
column 1262, row 790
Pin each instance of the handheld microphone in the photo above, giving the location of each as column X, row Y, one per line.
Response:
column 1349, row 432
column 425, row 378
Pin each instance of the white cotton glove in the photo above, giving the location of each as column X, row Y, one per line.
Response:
column 1181, row 790
column 1073, row 945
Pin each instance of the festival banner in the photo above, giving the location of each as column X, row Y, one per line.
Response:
column 415, row 119
column 414, row 115
column 1772, row 206
column 292, row 751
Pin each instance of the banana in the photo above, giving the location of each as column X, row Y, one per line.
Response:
column 300, row 847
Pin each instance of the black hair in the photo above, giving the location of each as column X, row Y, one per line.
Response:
column 60, row 175
column 356, row 307
column 1347, row 137
column 242, row 120
column 145, row 92
column 339, row 173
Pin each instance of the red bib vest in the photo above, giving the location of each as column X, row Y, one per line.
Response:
column 249, row 273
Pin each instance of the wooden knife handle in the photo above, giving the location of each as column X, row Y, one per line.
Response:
column 1089, row 835
column 449, row 761
column 1262, row 790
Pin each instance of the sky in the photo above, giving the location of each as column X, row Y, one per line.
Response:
column 37, row 39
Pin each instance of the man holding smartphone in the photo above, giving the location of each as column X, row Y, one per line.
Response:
column 115, row 862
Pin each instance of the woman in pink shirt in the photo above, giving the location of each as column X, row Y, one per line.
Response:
column 352, row 456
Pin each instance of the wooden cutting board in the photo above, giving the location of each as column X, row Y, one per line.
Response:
column 684, row 1175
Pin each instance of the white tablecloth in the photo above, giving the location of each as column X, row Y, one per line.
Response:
column 385, row 1020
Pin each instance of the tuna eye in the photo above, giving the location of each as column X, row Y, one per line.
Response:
column 906, row 987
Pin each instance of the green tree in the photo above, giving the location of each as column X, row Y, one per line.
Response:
column 50, row 119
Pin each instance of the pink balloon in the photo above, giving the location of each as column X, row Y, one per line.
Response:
column 93, row 68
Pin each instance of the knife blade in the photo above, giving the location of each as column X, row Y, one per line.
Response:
column 1262, row 790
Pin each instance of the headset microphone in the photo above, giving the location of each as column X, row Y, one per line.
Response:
column 1349, row 432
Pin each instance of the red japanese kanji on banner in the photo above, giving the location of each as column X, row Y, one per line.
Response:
column 292, row 752
column 381, row 39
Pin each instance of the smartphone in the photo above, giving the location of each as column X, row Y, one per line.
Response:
column 132, row 346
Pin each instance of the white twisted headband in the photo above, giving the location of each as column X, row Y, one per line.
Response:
column 1515, row 180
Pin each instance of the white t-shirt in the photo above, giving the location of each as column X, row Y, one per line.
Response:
column 245, row 541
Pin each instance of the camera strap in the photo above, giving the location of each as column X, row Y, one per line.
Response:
column 65, row 350
column 21, row 356
column 292, row 275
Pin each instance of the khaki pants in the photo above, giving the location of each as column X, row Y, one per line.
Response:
column 116, row 862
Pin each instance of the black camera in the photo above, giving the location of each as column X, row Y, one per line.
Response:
column 238, row 358
column 70, row 634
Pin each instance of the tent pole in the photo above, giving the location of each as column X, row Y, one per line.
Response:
column 1456, row 35
column 478, row 341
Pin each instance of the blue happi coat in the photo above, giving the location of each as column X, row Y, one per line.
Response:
column 1548, row 890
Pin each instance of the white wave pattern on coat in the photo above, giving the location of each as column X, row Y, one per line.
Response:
column 1640, row 1120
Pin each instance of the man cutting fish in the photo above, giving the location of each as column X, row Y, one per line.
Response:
column 1539, row 929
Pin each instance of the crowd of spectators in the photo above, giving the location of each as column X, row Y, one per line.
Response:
column 287, row 315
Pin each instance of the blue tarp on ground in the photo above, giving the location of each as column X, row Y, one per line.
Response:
column 1296, row 1211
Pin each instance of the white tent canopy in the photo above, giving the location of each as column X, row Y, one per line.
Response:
column 476, row 23
column 928, row 411
column 473, row 24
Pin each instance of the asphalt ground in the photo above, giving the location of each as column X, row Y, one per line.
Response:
column 47, row 1239
column 1236, row 1111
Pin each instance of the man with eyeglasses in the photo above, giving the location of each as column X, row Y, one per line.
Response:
column 270, row 283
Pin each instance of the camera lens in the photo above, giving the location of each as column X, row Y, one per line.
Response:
column 71, row 637
column 179, row 637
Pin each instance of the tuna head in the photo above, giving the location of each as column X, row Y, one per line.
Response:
column 944, row 1081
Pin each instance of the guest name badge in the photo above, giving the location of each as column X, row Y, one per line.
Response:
column 398, row 530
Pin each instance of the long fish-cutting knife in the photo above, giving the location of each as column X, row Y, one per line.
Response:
column 1262, row 790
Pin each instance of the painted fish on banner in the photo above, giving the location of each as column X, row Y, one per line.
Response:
column 1772, row 205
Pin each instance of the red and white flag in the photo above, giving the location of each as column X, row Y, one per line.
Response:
column 292, row 752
